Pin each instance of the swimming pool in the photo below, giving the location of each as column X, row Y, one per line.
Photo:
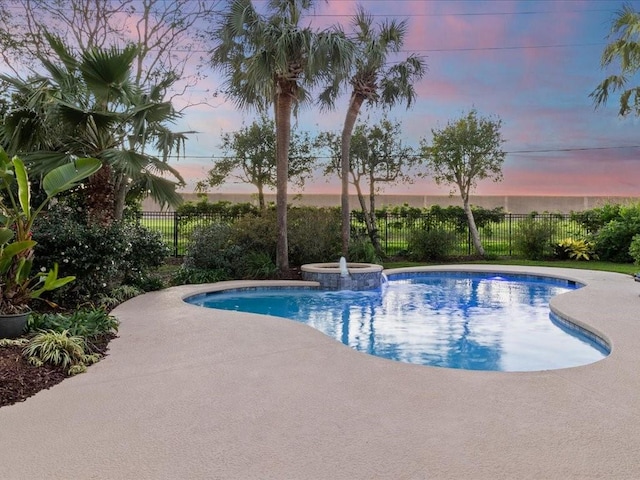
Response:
column 473, row 321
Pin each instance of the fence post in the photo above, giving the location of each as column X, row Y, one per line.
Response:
column 510, row 235
column 176, row 218
column 386, row 233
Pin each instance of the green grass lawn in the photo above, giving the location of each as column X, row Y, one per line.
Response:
column 628, row 268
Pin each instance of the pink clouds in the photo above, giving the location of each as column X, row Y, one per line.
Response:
column 541, row 94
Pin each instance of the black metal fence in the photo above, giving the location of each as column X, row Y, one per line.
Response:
column 498, row 237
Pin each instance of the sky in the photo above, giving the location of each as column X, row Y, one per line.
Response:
column 533, row 64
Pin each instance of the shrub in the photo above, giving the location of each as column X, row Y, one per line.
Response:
column 91, row 253
column 100, row 257
column 119, row 295
column 211, row 249
column 570, row 248
column 430, row 245
column 60, row 349
column 634, row 249
column 186, row 276
column 81, row 323
column 613, row 240
column 361, row 250
column 146, row 251
column 533, row 239
column 314, row 235
column 596, row 218
column 258, row 265
column 256, row 234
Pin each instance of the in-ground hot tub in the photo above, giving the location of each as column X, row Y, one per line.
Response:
column 344, row 276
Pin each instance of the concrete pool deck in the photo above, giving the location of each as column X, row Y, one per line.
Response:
column 194, row 393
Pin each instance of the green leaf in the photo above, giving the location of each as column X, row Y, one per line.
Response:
column 4, row 158
column 6, row 234
column 67, row 176
column 51, row 282
column 13, row 249
column 24, row 190
column 23, row 270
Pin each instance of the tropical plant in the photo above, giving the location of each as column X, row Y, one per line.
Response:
column 465, row 151
column 90, row 106
column 372, row 81
column 577, row 249
column 272, row 61
column 60, row 349
column 88, row 324
column 17, row 285
column 623, row 52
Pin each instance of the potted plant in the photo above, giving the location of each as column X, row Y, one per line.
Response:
column 18, row 286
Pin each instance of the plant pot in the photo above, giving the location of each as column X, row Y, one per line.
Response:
column 12, row 326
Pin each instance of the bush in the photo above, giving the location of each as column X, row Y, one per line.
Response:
column 361, row 250
column 314, row 235
column 93, row 254
column 60, row 349
column 187, row 276
column 570, row 248
column 146, row 251
column 100, row 257
column 613, row 240
column 430, row 245
column 533, row 239
column 211, row 248
column 256, row 234
column 257, row 265
column 596, row 218
column 82, row 323
column 634, row 249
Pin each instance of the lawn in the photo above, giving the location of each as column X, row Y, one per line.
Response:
column 627, row 268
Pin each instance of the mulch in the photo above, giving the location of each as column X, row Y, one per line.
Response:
column 20, row 380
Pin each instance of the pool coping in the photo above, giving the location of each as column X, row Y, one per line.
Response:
column 186, row 393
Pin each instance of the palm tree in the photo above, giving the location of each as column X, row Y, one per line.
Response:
column 625, row 50
column 90, row 107
column 373, row 80
column 273, row 61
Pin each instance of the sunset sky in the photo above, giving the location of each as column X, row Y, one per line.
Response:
column 532, row 63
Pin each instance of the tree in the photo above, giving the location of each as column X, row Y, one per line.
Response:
column 273, row 61
column 169, row 36
column 376, row 158
column 91, row 107
column 372, row 81
column 250, row 157
column 465, row 151
column 624, row 51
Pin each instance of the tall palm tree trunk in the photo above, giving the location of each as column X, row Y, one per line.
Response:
column 345, row 146
column 283, row 103
column 101, row 197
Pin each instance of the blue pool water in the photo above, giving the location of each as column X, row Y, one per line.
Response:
column 456, row 320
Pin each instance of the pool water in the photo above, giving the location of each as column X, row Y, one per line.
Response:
column 455, row 320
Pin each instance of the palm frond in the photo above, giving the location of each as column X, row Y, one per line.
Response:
column 160, row 189
column 107, row 72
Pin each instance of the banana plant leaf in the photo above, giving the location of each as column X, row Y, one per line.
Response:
column 67, row 176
